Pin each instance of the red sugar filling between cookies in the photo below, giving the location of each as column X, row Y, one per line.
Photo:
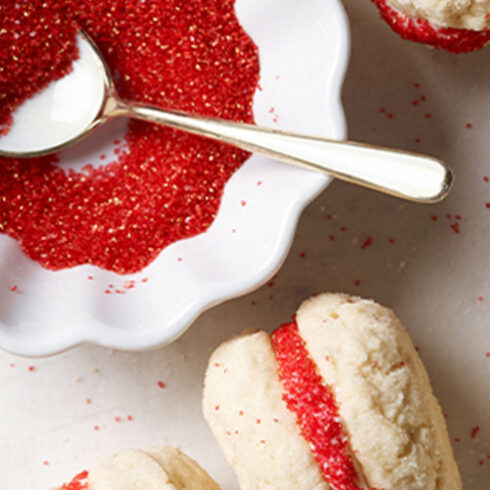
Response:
column 163, row 185
column 420, row 30
column 314, row 405
column 79, row 482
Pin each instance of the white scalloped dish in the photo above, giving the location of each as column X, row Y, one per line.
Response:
column 303, row 49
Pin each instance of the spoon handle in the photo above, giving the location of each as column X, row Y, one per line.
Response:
column 399, row 173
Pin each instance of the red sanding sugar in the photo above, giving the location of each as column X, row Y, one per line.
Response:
column 166, row 185
column 79, row 482
column 315, row 408
column 38, row 32
column 420, row 30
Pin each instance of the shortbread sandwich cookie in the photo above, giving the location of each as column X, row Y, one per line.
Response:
column 338, row 399
column 458, row 26
column 157, row 468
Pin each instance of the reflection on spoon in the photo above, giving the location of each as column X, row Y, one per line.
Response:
column 71, row 108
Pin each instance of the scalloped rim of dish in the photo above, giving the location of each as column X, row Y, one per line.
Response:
column 153, row 335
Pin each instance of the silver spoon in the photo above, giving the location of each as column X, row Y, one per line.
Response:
column 71, row 108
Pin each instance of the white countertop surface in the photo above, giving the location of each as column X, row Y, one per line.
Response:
column 429, row 263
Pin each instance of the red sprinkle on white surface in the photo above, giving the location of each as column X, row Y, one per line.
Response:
column 474, row 431
column 161, row 384
column 368, row 242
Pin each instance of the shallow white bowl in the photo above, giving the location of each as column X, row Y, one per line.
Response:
column 303, row 53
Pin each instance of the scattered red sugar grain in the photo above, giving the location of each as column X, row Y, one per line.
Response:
column 357, row 282
column 455, row 227
column 161, row 384
column 485, row 179
column 469, row 125
column 46, row 463
column 32, row 368
column 433, row 218
column 14, row 288
column 368, row 242
column 474, row 431
column 130, row 418
column 79, row 482
column 457, row 439
column 420, row 30
column 487, row 205
column 96, row 427
column 302, row 255
column 480, row 298
column 167, row 185
column 314, row 406
column 88, row 401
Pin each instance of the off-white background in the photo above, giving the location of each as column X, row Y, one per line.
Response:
column 432, row 277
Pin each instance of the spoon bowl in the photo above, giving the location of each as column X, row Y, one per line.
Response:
column 65, row 111
column 74, row 106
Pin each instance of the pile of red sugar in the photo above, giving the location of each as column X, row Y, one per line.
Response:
column 313, row 403
column 420, row 30
column 193, row 56
column 79, row 482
